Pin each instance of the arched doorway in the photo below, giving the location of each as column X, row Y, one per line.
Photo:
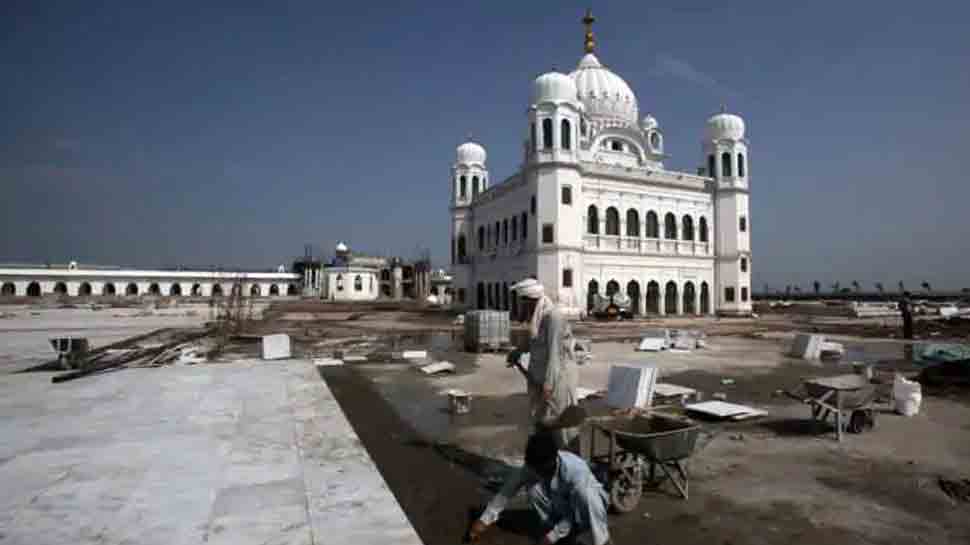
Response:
column 108, row 289
column 8, row 289
column 217, row 290
column 33, row 289
column 175, row 290
column 705, row 299
column 274, row 289
column 84, row 290
column 60, row 288
column 292, row 290
column 154, row 289
column 689, row 295
column 670, row 298
column 515, row 306
column 653, row 297
column 592, row 289
column 254, row 290
column 196, row 290
column 633, row 292
column 481, row 296
column 612, row 287
column 131, row 289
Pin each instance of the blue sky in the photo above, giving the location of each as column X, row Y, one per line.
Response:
column 233, row 133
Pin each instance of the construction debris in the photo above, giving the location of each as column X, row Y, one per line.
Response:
column 630, row 387
column 807, row 347
column 725, row 411
column 276, row 347
column 459, row 401
column 654, row 340
column 439, row 367
column 327, row 362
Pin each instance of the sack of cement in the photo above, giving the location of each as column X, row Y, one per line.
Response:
column 907, row 396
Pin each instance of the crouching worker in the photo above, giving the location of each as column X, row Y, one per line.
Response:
column 562, row 491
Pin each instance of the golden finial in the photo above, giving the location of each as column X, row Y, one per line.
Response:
column 723, row 108
column 590, row 43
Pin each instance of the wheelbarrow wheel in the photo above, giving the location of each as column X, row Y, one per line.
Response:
column 861, row 420
column 626, row 487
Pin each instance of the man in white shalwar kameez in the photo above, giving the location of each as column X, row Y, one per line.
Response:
column 552, row 363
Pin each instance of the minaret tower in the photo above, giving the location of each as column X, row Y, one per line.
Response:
column 726, row 153
column 469, row 178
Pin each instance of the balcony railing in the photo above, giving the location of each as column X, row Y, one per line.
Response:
column 646, row 246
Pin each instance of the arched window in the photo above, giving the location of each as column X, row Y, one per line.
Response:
column 108, row 289
column 525, row 226
column 547, row 133
column 565, row 134
column 515, row 227
column 462, row 187
column 592, row 220
column 653, row 225
column 632, row 223
column 132, row 289
column 60, row 288
column 532, row 205
column 592, row 289
column 612, row 288
column 711, row 166
column 670, row 226
column 702, row 227
column 740, row 166
column 612, row 221
column 688, row 228
column 495, row 233
column 85, row 289
column 175, row 289
column 481, row 238
column 340, row 282
column 535, row 139
column 358, row 283
column 744, row 264
column 505, row 232
column 254, row 290
column 474, row 186
column 33, row 289
column 274, row 290
column 153, row 289
column 462, row 251
column 725, row 164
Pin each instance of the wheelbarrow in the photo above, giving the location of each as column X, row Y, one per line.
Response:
column 641, row 444
column 846, row 398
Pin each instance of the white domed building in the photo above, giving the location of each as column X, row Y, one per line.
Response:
column 593, row 210
column 348, row 278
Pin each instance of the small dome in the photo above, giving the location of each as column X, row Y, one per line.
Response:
column 471, row 152
column 604, row 94
column 648, row 122
column 553, row 87
column 725, row 126
column 341, row 247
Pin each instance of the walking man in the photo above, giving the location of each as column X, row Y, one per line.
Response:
column 552, row 363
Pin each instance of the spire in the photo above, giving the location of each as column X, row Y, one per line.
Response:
column 723, row 108
column 590, row 43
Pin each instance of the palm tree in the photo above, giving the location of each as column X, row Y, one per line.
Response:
column 879, row 288
column 902, row 287
column 788, row 290
column 926, row 286
column 855, row 285
column 818, row 286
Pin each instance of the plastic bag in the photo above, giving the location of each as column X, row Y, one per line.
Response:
column 907, row 396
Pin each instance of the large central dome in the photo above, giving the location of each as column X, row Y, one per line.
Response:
column 604, row 94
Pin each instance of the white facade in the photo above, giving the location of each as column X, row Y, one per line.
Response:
column 79, row 281
column 350, row 284
column 593, row 210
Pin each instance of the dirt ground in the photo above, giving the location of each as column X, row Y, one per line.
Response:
column 772, row 480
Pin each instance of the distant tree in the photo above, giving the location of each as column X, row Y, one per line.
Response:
column 902, row 287
column 879, row 288
column 846, row 290
column 835, row 287
column 855, row 286
column 926, row 286
column 965, row 290
column 797, row 289
column 787, row 290
column 818, row 286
